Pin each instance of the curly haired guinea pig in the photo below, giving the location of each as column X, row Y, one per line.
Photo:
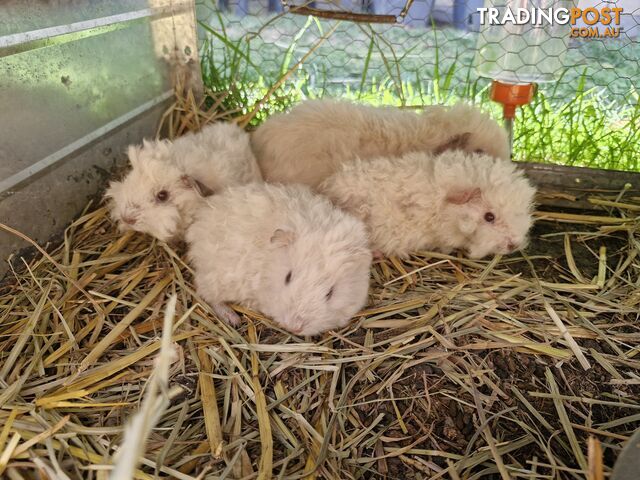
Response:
column 455, row 200
column 310, row 142
column 167, row 179
column 284, row 251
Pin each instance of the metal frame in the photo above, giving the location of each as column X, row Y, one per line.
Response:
column 7, row 184
column 45, row 37
column 346, row 14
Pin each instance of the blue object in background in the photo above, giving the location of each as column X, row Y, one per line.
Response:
column 465, row 14
column 274, row 6
column 242, row 8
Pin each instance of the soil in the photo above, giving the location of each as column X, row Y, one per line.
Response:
column 452, row 422
column 547, row 240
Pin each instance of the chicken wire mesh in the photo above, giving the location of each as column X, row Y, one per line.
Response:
column 587, row 115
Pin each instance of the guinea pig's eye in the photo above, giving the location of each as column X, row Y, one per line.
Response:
column 162, row 196
column 329, row 294
column 287, row 279
column 489, row 217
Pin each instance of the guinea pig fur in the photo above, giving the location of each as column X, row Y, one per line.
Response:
column 455, row 200
column 310, row 142
column 284, row 251
column 167, row 179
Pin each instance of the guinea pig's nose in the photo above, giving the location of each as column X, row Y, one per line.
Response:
column 512, row 247
column 296, row 325
column 129, row 219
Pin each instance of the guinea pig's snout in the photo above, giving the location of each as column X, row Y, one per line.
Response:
column 514, row 245
column 130, row 214
column 129, row 219
column 295, row 325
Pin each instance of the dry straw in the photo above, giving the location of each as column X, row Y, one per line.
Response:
column 517, row 367
column 156, row 400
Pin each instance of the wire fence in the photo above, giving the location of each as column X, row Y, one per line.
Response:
column 587, row 115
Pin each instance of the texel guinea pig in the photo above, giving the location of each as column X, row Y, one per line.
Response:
column 455, row 200
column 167, row 179
column 281, row 250
column 310, row 142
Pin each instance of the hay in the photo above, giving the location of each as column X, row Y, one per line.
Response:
column 517, row 367
column 156, row 401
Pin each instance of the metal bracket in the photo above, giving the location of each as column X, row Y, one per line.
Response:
column 347, row 14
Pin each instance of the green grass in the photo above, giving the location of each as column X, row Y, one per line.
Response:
column 586, row 118
column 586, row 130
column 227, row 67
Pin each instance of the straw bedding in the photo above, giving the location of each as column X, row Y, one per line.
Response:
column 516, row 367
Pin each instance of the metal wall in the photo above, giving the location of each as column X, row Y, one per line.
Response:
column 79, row 80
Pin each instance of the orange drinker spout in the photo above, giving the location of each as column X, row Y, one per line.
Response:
column 511, row 96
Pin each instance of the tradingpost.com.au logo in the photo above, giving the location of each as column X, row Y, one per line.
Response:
column 598, row 22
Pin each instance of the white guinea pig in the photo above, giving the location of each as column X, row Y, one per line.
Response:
column 472, row 202
column 167, row 179
column 284, row 251
column 310, row 142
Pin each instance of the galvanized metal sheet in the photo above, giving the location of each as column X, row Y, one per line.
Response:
column 62, row 85
column 55, row 95
column 21, row 16
column 79, row 80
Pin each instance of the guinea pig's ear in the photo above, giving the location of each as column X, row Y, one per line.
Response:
column 283, row 238
column 463, row 196
column 200, row 188
column 457, row 142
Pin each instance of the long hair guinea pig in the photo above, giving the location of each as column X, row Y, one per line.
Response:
column 455, row 200
column 284, row 251
column 310, row 142
column 167, row 179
